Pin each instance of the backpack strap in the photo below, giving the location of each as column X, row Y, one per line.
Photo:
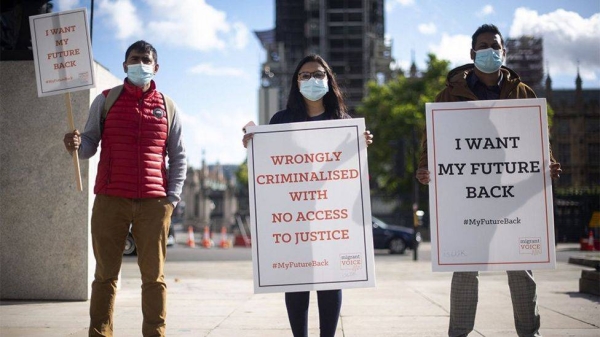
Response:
column 111, row 98
column 113, row 95
column 170, row 107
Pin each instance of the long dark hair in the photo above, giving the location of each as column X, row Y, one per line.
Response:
column 333, row 101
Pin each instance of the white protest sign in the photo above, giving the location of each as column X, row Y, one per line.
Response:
column 490, row 193
column 62, row 55
column 310, row 206
column 62, row 52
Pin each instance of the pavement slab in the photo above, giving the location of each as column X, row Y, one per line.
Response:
column 216, row 299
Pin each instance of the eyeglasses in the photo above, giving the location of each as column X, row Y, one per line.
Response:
column 305, row 76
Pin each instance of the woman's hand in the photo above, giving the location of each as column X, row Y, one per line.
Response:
column 247, row 136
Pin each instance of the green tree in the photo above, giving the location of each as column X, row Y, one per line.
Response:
column 242, row 174
column 395, row 114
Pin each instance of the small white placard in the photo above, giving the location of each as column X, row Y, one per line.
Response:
column 62, row 52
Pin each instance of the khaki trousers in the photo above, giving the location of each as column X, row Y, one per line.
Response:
column 150, row 219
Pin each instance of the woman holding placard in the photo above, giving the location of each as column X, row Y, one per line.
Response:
column 314, row 95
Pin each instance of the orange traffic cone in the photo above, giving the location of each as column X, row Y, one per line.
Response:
column 224, row 240
column 206, row 241
column 591, row 241
column 191, row 243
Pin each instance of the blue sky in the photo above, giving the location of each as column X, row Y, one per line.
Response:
column 210, row 59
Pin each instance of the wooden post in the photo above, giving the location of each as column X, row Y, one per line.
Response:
column 72, row 128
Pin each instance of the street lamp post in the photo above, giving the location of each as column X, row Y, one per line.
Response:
column 91, row 20
column 416, row 198
column 416, row 231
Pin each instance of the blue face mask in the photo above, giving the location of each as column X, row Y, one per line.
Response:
column 140, row 74
column 488, row 60
column 313, row 89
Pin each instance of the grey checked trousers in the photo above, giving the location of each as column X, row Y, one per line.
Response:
column 464, row 296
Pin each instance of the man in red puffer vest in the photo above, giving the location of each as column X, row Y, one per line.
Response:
column 133, row 187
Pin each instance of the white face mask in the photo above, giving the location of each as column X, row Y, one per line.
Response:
column 488, row 60
column 140, row 74
column 313, row 89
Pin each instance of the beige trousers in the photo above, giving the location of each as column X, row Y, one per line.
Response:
column 150, row 219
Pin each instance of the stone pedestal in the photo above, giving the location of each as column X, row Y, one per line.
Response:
column 45, row 246
column 589, row 282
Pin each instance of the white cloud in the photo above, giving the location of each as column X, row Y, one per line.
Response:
column 195, row 24
column 485, row 11
column 454, row 48
column 427, row 28
column 240, row 36
column 122, row 15
column 65, row 5
column 210, row 70
column 568, row 39
column 190, row 24
column 391, row 4
column 216, row 133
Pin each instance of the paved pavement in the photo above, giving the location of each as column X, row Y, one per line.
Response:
column 215, row 298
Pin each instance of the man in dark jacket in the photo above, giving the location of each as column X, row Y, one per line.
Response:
column 487, row 79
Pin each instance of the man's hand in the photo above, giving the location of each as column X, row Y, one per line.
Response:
column 423, row 176
column 72, row 141
column 368, row 137
column 555, row 170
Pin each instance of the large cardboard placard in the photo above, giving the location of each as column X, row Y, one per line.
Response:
column 310, row 206
column 490, row 193
column 62, row 52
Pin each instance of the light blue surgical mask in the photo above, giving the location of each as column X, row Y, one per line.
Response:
column 488, row 60
column 314, row 89
column 140, row 74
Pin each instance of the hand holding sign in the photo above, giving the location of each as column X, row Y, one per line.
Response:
column 72, row 141
column 247, row 136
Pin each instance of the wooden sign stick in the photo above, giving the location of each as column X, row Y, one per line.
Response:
column 72, row 128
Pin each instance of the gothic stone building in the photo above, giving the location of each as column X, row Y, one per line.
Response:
column 209, row 194
column 575, row 139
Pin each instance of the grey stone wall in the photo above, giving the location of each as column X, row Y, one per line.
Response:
column 45, row 246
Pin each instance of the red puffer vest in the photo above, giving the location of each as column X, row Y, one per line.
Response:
column 133, row 146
